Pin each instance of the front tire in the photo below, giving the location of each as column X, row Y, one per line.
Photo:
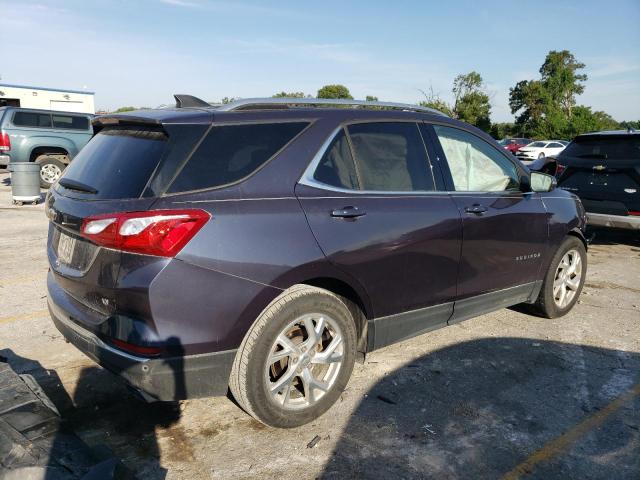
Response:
column 296, row 359
column 564, row 280
column 51, row 169
column 541, row 155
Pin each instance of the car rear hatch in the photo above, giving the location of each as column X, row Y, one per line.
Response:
column 118, row 175
column 604, row 171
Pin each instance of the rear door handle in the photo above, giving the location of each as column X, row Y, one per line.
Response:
column 476, row 208
column 348, row 212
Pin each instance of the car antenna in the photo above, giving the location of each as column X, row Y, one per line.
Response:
column 189, row 101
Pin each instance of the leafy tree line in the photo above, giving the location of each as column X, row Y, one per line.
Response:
column 544, row 108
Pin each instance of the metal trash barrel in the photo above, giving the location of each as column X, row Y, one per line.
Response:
column 25, row 182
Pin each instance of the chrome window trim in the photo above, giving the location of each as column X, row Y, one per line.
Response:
column 308, row 180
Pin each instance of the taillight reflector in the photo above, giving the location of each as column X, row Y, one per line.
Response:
column 157, row 232
column 136, row 349
column 5, row 142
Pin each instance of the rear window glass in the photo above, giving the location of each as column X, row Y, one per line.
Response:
column 613, row 148
column 390, row 156
column 118, row 161
column 70, row 122
column 230, row 153
column 32, row 119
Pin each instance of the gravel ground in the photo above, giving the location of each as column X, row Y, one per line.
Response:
column 504, row 394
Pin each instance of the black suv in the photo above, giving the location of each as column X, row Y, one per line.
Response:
column 603, row 169
column 265, row 245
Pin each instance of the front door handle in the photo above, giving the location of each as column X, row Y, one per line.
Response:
column 476, row 208
column 348, row 212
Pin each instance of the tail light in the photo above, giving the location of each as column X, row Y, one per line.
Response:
column 559, row 169
column 157, row 232
column 634, row 213
column 5, row 142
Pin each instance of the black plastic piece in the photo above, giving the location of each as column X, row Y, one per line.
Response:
column 189, row 101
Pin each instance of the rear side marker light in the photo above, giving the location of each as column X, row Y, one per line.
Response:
column 161, row 233
column 136, row 349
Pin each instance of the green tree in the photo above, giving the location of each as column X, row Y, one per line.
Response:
column 471, row 102
column 334, row 91
column 371, row 98
column 504, row 130
column 560, row 78
column 125, row 109
column 544, row 107
column 433, row 100
column 284, row 94
column 226, row 100
column 583, row 120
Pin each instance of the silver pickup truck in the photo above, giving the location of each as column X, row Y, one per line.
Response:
column 46, row 137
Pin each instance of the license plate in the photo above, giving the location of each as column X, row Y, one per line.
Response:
column 599, row 180
column 66, row 247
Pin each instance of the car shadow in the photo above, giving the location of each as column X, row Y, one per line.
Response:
column 611, row 236
column 478, row 409
column 103, row 409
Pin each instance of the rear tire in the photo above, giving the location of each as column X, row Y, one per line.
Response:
column 567, row 272
column 51, row 169
column 296, row 359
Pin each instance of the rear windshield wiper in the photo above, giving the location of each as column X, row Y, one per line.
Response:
column 75, row 185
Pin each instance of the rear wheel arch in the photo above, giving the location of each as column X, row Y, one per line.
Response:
column 359, row 307
column 49, row 151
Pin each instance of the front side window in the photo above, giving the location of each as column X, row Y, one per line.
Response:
column 390, row 156
column 32, row 119
column 475, row 165
column 232, row 152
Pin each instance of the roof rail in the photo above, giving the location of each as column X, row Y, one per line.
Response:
column 283, row 102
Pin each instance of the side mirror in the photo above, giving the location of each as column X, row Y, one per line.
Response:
column 541, row 182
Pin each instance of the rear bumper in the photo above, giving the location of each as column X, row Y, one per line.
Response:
column 165, row 379
column 4, row 160
column 613, row 221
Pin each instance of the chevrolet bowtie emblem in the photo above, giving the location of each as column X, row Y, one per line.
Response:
column 599, row 167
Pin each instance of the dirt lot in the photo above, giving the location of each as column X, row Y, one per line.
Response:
column 505, row 394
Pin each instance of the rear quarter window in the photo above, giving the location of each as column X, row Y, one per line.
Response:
column 70, row 122
column 230, row 153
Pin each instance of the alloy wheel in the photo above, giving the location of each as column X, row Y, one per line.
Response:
column 49, row 173
column 567, row 279
column 304, row 361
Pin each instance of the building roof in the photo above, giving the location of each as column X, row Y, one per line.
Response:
column 28, row 87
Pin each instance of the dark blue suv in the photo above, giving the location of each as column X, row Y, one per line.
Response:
column 263, row 246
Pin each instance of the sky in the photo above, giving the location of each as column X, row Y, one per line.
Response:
column 141, row 52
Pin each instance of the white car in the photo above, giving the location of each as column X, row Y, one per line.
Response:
column 540, row 149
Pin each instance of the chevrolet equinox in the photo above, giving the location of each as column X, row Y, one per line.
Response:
column 263, row 246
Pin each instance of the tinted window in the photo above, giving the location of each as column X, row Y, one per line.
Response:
column 538, row 144
column 230, row 153
column 31, row 119
column 336, row 167
column 72, row 122
column 390, row 157
column 475, row 165
column 615, row 148
column 555, row 145
column 118, row 162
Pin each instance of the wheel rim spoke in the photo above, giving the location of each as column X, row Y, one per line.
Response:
column 329, row 355
column 567, row 279
column 305, row 361
column 284, row 381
